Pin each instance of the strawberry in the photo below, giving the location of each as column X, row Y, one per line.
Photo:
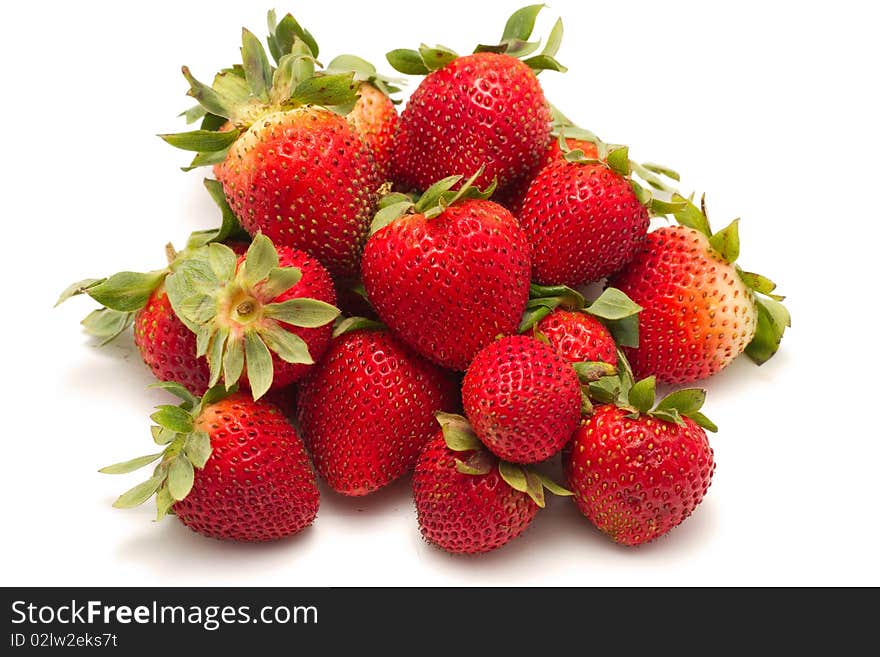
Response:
column 578, row 337
column 265, row 316
column 522, row 398
column 374, row 116
column 701, row 311
column 559, row 316
column 292, row 167
column 583, row 219
column 514, row 196
column 451, row 276
column 374, row 119
column 636, row 472
column 168, row 346
column 231, row 468
column 165, row 343
column 481, row 110
column 368, row 408
column 467, row 501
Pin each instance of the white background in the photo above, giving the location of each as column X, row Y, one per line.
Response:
column 770, row 107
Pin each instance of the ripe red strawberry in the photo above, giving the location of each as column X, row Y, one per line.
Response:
column 306, row 180
column 233, row 468
column 167, row 346
column 583, row 220
column 578, row 337
column 700, row 310
column 522, row 398
column 637, row 473
column 451, row 277
column 466, row 513
column 582, row 334
column 514, row 196
column 481, row 110
column 467, row 501
column 264, row 317
column 291, row 168
column 368, row 408
column 374, row 119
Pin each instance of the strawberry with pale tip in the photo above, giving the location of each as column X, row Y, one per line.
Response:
column 700, row 309
column 230, row 468
column 291, row 165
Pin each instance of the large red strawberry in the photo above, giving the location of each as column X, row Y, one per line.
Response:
column 637, row 470
column 522, row 399
column 165, row 343
column 450, row 277
column 481, row 110
column 231, row 468
column 264, row 317
column 560, row 316
column 368, row 408
column 292, row 167
column 700, row 310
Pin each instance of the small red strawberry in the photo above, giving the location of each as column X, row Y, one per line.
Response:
column 452, row 276
column 165, row 343
column 583, row 218
column 514, row 196
column 368, row 408
column 467, row 501
column 636, row 472
column 522, row 399
column 578, row 337
column 700, row 309
column 481, row 110
column 559, row 316
column 231, row 468
column 374, row 119
column 264, row 317
column 292, row 167
column 168, row 346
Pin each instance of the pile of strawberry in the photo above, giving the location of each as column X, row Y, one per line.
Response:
column 366, row 260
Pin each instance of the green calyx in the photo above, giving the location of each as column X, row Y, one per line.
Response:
column 433, row 202
column 185, row 450
column 460, row 437
column 364, row 72
column 233, row 312
column 123, row 294
column 514, row 42
column 773, row 317
column 613, row 308
column 639, row 397
column 244, row 93
column 344, row 325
